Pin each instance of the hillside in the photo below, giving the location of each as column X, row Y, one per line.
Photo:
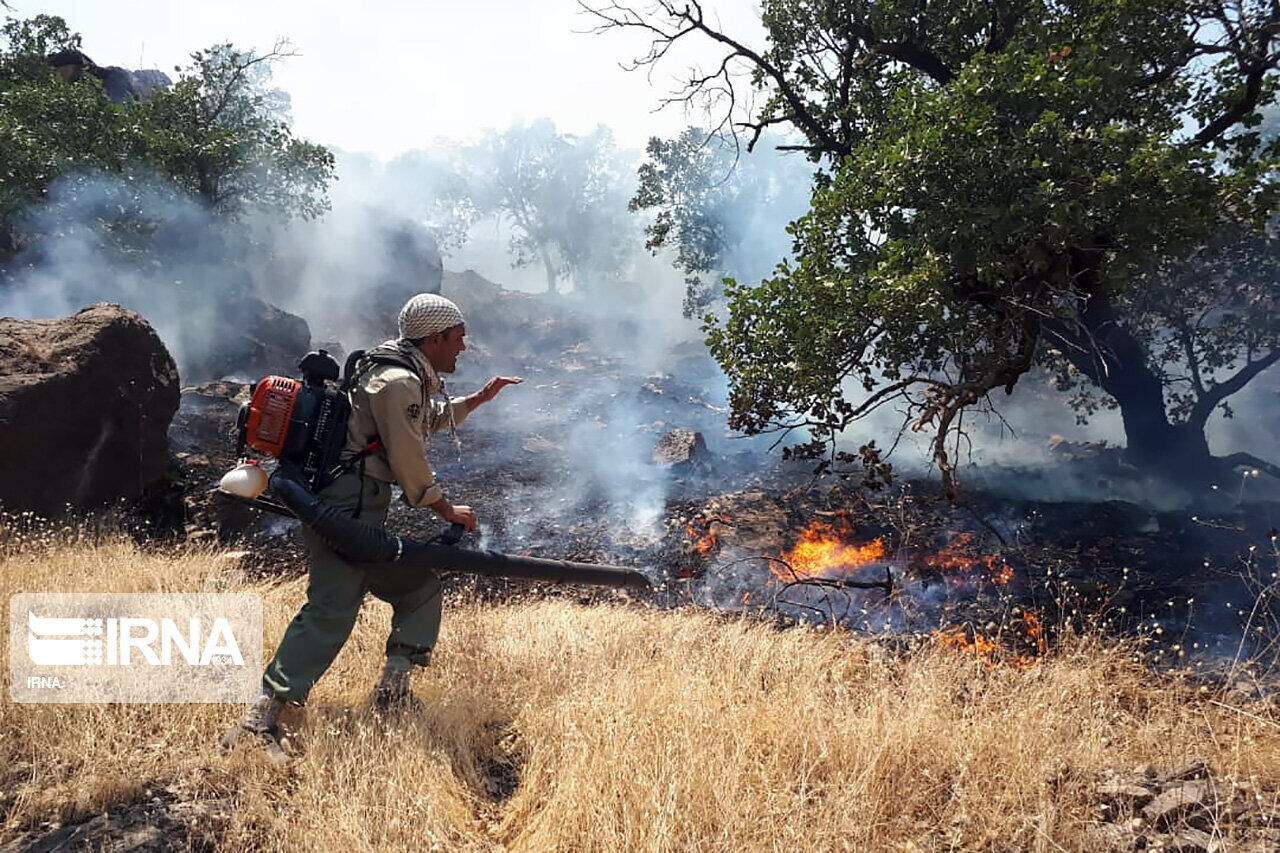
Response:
column 547, row 724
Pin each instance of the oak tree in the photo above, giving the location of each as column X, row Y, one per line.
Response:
column 1079, row 185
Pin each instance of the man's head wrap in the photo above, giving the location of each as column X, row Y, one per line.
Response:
column 426, row 314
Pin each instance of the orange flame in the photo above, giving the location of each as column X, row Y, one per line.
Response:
column 822, row 551
column 954, row 557
column 986, row 650
column 958, row 639
column 1035, row 632
column 702, row 541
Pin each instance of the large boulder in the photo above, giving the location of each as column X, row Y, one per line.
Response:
column 120, row 84
column 412, row 259
column 512, row 323
column 405, row 261
column 681, row 448
column 248, row 339
column 85, row 405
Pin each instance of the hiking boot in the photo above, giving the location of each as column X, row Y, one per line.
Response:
column 392, row 692
column 261, row 724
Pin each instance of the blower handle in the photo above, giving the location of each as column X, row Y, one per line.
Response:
column 452, row 536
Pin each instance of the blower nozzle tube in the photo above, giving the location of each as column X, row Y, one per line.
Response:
column 363, row 543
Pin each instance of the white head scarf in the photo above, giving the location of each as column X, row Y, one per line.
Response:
column 426, row 314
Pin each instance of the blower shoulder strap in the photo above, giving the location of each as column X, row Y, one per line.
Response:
column 362, row 361
column 358, row 364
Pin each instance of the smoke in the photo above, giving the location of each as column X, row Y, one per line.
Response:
column 142, row 243
column 594, row 351
column 1030, row 446
column 133, row 240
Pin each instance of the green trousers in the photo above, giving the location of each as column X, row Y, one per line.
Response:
column 335, row 591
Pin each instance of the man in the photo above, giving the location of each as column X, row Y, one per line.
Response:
column 396, row 401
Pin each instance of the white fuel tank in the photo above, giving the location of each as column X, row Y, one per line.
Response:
column 246, row 480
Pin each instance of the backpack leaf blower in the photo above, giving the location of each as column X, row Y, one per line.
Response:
column 303, row 424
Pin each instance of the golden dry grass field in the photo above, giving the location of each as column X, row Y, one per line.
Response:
column 548, row 725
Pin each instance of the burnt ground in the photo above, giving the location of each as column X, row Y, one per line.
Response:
column 564, row 466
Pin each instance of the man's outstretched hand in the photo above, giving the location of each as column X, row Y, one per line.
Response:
column 491, row 389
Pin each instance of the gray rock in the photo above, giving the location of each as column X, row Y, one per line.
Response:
column 155, row 825
column 252, row 339
column 146, row 79
column 335, row 350
column 1128, row 793
column 1196, row 768
column 1188, row 841
column 85, row 406
column 1190, row 803
column 681, row 447
column 1254, row 845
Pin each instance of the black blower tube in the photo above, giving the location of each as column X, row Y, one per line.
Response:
column 362, row 543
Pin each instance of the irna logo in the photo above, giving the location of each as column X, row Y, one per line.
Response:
column 61, row 641
column 135, row 647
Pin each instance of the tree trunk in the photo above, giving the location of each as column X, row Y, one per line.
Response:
column 8, row 246
column 551, row 270
column 1101, row 348
column 1178, row 452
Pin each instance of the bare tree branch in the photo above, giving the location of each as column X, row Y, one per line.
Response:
column 1215, row 394
column 1256, row 60
column 1193, row 362
column 689, row 19
column 281, row 50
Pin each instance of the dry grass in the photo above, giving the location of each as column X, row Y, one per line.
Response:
column 630, row 729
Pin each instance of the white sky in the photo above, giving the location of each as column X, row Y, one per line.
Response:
column 388, row 76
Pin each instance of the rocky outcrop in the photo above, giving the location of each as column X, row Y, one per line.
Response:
column 120, row 84
column 512, row 323
column 252, row 339
column 412, row 259
column 146, row 79
column 85, row 405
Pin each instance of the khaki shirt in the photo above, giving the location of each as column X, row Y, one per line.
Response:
column 389, row 402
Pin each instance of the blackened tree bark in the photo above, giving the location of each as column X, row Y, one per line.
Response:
column 550, row 268
column 1099, row 345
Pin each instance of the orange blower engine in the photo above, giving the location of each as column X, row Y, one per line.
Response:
column 302, row 423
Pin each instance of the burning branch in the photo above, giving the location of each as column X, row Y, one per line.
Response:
column 841, row 583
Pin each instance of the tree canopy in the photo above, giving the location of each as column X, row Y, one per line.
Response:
column 219, row 133
column 1005, row 184
column 563, row 196
column 710, row 205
